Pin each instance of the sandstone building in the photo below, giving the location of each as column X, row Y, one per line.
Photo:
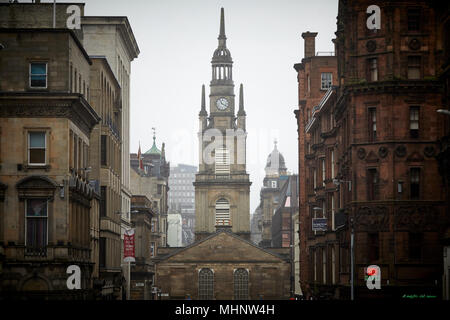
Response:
column 222, row 184
column 222, row 263
column 46, row 122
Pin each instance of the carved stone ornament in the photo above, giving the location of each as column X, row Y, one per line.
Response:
column 371, row 46
column 361, row 153
column 414, row 44
column 383, row 152
column 400, row 151
column 372, row 219
column 417, row 218
column 429, row 151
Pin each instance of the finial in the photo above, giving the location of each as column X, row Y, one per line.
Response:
column 154, row 134
column 275, row 144
column 203, row 109
column 222, row 24
column 241, row 111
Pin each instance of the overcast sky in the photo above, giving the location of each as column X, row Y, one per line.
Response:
column 177, row 39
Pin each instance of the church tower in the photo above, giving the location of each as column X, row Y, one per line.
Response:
column 222, row 185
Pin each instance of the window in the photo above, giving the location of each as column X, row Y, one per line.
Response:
column 372, row 67
column 374, row 247
column 414, row 19
column 38, row 75
column 222, row 162
column 206, row 284
column 414, row 122
column 36, row 148
column 372, row 119
column 223, row 212
column 152, row 249
column 36, row 226
column 415, row 183
column 103, row 201
column 274, row 184
column 372, row 184
column 103, row 153
column 153, row 228
column 315, row 178
column 414, row 63
column 323, row 172
column 332, row 164
column 333, row 225
column 102, row 252
column 241, row 284
column 326, row 80
column 324, row 265
column 308, row 83
column 415, row 245
column 333, row 266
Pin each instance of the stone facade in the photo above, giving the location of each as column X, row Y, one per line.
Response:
column 113, row 38
column 45, row 140
column 105, row 162
column 143, row 270
column 377, row 131
column 222, row 184
column 178, row 272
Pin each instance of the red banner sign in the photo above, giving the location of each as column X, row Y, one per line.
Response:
column 128, row 246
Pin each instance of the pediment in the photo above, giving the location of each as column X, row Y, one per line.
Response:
column 372, row 157
column 222, row 247
column 36, row 182
column 415, row 157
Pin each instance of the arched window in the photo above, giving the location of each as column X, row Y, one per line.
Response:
column 222, row 162
column 206, row 284
column 223, row 212
column 240, row 284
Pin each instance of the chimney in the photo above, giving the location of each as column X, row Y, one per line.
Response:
column 310, row 43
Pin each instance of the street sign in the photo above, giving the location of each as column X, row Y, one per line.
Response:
column 319, row 224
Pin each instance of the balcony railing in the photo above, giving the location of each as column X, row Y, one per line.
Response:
column 36, row 251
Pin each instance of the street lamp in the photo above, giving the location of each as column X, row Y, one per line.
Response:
column 443, row 111
column 339, row 181
column 352, row 262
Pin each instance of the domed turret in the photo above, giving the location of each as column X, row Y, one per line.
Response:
column 222, row 63
column 275, row 163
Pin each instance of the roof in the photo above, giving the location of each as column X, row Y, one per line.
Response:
column 221, row 232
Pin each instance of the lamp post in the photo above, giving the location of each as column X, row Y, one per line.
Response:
column 443, row 111
column 352, row 262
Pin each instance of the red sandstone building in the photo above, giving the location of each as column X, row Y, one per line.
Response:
column 367, row 151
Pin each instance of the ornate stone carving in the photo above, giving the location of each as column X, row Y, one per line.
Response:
column 416, row 218
column 371, row 46
column 429, row 151
column 400, row 151
column 372, row 219
column 383, row 152
column 361, row 153
column 414, row 44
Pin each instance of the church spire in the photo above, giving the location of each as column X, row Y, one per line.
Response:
column 203, row 109
column 222, row 37
column 241, row 111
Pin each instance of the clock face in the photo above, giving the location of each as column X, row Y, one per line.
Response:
column 222, row 103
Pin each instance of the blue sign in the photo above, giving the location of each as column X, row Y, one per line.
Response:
column 319, row 224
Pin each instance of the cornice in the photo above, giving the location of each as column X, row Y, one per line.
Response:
column 49, row 105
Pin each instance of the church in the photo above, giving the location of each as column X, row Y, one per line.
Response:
column 222, row 263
